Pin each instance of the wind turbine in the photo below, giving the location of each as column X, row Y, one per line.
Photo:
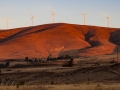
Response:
column 7, row 19
column 108, row 19
column 53, row 15
column 84, row 14
column 32, row 19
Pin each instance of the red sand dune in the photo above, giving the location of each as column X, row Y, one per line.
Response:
column 57, row 39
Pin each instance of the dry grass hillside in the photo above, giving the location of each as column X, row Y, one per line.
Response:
column 58, row 39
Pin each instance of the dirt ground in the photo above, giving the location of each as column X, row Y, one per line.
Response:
column 99, row 69
column 92, row 86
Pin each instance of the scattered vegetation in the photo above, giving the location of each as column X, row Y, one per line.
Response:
column 0, row 71
column 2, row 65
column 26, row 58
column 113, row 61
column 7, row 64
column 69, row 63
column 22, row 83
column 6, row 81
column 58, row 58
column 60, row 87
column 17, row 86
column 52, row 82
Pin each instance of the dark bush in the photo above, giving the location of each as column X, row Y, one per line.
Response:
column 48, row 58
column 113, row 61
column 52, row 82
column 0, row 71
column 2, row 65
column 26, row 58
column 70, row 62
column 7, row 64
column 22, row 83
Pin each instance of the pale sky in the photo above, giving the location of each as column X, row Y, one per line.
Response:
column 68, row 11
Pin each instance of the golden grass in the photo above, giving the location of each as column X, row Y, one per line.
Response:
column 63, row 87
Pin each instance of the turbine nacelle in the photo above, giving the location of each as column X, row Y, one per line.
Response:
column 7, row 19
column 84, row 14
column 108, row 16
column 108, row 19
column 53, row 14
column 32, row 17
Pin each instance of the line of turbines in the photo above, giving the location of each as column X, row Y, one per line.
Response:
column 53, row 15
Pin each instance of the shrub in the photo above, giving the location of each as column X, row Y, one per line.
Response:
column 2, row 65
column 0, row 71
column 52, row 82
column 22, row 83
column 70, row 62
column 17, row 86
column 113, row 61
column 26, row 58
column 48, row 58
column 7, row 64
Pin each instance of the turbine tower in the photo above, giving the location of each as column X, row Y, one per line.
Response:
column 32, row 19
column 7, row 19
column 108, row 19
column 84, row 14
column 53, row 15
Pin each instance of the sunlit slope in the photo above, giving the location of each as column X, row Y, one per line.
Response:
column 57, row 39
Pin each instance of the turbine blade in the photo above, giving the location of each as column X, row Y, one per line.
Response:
column 52, row 11
column 82, row 13
column 86, row 13
column 110, row 16
column 51, row 15
column 106, row 14
column 31, row 15
column 7, row 18
column 55, row 14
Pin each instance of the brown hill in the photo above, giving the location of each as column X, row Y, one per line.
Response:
column 57, row 39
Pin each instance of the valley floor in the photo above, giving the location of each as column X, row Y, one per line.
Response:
column 65, row 87
column 87, row 73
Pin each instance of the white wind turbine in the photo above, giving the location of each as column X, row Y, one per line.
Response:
column 7, row 19
column 53, row 15
column 108, row 19
column 32, row 19
column 84, row 14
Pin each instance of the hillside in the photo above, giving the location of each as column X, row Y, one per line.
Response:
column 58, row 39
